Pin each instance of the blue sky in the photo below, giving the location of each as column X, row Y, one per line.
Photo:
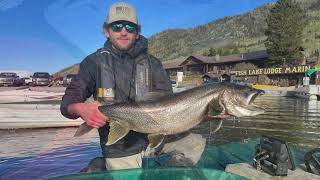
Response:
column 49, row 35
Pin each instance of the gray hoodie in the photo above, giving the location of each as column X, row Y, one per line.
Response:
column 127, row 76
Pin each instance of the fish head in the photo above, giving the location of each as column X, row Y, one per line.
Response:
column 237, row 100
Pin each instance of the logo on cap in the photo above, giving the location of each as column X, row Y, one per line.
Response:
column 123, row 10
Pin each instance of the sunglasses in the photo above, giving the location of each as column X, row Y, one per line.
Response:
column 130, row 27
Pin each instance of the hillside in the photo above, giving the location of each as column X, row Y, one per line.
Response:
column 243, row 32
column 74, row 69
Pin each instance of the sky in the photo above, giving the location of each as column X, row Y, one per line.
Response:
column 49, row 35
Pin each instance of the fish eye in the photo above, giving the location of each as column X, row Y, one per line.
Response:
column 248, row 89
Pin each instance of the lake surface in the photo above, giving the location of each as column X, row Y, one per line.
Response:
column 40, row 153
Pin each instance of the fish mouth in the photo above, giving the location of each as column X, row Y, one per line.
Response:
column 248, row 108
column 251, row 109
column 253, row 96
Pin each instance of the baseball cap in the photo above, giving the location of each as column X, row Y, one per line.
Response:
column 122, row 11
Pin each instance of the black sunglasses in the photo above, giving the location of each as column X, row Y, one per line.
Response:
column 130, row 27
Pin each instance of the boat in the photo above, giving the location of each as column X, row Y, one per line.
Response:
column 227, row 161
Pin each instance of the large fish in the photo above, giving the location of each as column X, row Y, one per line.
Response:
column 179, row 112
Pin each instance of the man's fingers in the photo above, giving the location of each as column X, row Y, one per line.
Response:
column 94, row 117
column 94, row 123
column 102, row 117
column 96, row 103
column 98, row 117
column 97, row 120
column 100, row 122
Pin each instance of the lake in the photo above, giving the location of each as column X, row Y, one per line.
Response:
column 40, row 153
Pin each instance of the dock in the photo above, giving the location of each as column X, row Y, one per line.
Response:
column 35, row 107
column 14, row 116
column 310, row 92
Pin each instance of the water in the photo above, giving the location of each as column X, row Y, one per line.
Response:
column 295, row 120
column 36, row 154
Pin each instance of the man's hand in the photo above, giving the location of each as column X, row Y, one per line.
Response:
column 89, row 112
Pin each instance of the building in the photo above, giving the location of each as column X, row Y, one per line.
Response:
column 215, row 65
column 173, row 66
column 224, row 66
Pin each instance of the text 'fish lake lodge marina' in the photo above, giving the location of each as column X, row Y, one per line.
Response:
column 227, row 67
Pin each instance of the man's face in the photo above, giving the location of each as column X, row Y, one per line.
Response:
column 120, row 37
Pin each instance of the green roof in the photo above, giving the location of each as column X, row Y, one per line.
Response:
column 311, row 71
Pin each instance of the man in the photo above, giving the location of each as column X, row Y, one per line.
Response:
column 121, row 71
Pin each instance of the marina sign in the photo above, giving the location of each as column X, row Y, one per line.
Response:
column 272, row 71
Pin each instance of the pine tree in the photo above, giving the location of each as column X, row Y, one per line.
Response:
column 212, row 52
column 284, row 33
column 317, row 54
column 235, row 51
column 244, row 66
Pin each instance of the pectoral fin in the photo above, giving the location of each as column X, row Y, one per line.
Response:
column 217, row 110
column 214, row 108
column 217, row 124
column 155, row 140
column 83, row 129
column 116, row 132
